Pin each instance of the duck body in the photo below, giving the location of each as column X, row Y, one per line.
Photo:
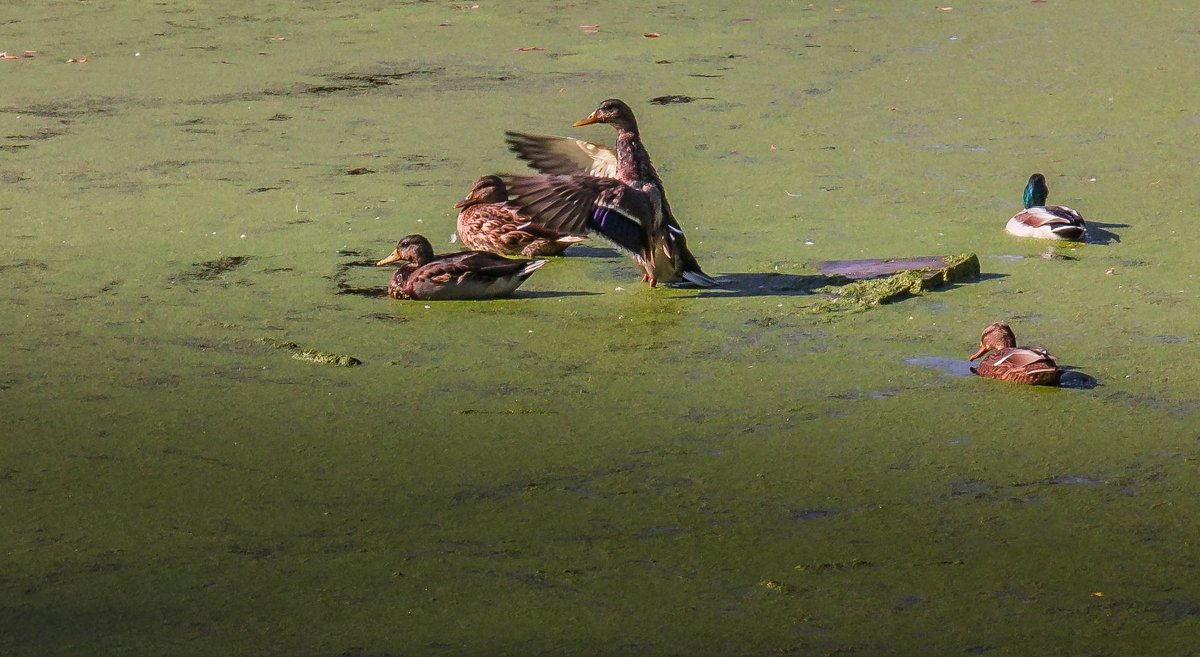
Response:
column 1054, row 222
column 465, row 275
column 488, row 222
column 663, row 254
column 1002, row 359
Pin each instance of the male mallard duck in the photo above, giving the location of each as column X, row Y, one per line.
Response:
column 664, row 255
column 464, row 275
column 488, row 222
column 1053, row 222
column 1007, row 362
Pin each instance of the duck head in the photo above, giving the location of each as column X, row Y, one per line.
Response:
column 414, row 248
column 488, row 189
column 996, row 336
column 1036, row 191
column 615, row 113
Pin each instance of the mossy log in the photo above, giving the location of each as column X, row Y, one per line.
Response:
column 875, row 282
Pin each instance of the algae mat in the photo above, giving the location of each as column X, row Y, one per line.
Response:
column 592, row 467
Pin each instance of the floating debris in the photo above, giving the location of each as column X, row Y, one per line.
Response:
column 310, row 355
column 675, row 99
column 326, row 358
column 213, row 269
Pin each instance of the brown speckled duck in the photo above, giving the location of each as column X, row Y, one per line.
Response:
column 1004, row 360
column 488, row 222
column 661, row 251
column 464, row 275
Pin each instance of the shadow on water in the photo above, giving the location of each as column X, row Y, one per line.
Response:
column 1098, row 233
column 1073, row 379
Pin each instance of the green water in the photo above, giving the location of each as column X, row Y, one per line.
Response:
column 593, row 467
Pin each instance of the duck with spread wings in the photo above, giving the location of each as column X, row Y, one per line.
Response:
column 662, row 250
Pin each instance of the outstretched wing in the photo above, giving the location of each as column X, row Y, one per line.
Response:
column 563, row 155
column 580, row 203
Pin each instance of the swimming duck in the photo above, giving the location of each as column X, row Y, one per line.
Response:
column 488, row 222
column 1053, row 222
column 1007, row 362
column 663, row 256
column 463, row 275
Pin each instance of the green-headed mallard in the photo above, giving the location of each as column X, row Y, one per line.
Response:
column 1053, row 222
column 463, row 275
column 666, row 258
column 488, row 222
column 1004, row 360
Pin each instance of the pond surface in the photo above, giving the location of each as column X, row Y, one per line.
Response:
column 593, row 467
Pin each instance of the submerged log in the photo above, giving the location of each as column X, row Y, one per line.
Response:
column 881, row 281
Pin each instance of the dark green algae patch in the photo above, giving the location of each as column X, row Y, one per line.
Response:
column 610, row 471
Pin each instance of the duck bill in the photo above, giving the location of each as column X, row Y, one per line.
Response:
column 588, row 121
column 463, row 203
column 977, row 354
column 390, row 259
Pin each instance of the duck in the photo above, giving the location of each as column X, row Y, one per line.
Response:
column 662, row 254
column 460, row 276
column 488, row 222
column 1004, row 360
column 1053, row 222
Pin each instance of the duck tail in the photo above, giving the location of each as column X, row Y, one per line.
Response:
column 533, row 266
column 1070, row 232
column 697, row 277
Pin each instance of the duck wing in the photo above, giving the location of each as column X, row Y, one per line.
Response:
column 563, row 155
column 585, row 204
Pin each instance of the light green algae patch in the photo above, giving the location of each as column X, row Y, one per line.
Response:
column 594, row 467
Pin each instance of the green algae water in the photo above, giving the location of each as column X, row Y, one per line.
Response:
column 593, row 467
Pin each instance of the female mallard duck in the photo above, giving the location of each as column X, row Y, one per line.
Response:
column 464, row 275
column 1053, row 222
column 488, row 222
column 664, row 256
column 1007, row 362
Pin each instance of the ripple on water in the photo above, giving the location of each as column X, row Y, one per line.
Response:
column 953, row 366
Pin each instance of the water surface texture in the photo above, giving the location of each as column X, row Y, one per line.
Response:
column 593, row 467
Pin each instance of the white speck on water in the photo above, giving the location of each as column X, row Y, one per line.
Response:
column 427, row 306
column 808, row 242
column 243, row 236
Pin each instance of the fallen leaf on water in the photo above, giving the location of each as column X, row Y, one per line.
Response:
column 279, row 38
column 262, row 52
column 651, row 35
column 8, row 55
column 528, row 49
column 945, row 8
column 77, row 60
column 589, row 29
